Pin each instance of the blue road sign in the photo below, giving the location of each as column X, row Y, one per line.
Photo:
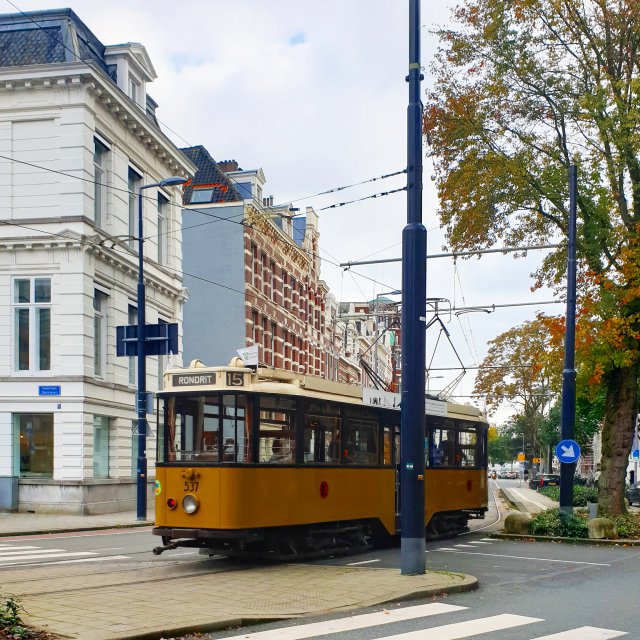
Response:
column 636, row 454
column 568, row 451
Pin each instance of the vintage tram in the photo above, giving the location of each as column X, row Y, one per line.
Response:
column 278, row 464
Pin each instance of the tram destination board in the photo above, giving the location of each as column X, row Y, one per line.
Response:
column 193, row 379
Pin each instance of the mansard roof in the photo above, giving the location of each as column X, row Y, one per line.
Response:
column 208, row 176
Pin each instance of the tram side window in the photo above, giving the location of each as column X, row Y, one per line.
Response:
column 360, row 445
column 322, row 439
column 277, row 443
column 442, row 449
column 322, row 432
column 467, row 450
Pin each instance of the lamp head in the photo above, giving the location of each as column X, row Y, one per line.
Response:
column 172, row 181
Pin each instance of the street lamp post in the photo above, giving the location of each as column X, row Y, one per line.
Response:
column 141, row 392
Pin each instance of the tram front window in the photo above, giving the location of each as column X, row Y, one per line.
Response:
column 206, row 429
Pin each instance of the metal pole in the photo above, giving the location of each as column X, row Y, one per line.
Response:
column 569, row 373
column 414, row 279
column 141, row 404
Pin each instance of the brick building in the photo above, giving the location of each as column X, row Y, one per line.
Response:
column 253, row 272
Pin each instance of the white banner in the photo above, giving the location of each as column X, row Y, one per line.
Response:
column 249, row 355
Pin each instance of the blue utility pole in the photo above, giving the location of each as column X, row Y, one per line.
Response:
column 141, row 392
column 414, row 294
column 569, row 373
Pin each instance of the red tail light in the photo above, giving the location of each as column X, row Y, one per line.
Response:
column 171, row 503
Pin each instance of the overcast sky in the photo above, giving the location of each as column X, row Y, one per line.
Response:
column 314, row 93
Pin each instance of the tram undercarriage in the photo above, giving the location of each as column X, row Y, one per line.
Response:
column 302, row 542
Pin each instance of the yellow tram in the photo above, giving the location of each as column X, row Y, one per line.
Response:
column 278, row 464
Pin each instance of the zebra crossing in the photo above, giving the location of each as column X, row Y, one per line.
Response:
column 13, row 554
column 432, row 614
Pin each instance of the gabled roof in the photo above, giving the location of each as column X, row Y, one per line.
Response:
column 208, row 176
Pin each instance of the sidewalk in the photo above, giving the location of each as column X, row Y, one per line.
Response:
column 527, row 500
column 153, row 598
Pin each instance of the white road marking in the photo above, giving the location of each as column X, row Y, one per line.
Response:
column 110, row 549
column 38, row 556
column 466, row 546
column 489, row 539
column 314, row 629
column 26, row 550
column 3, row 549
column 43, row 564
column 466, row 629
column 480, row 542
column 584, row 633
column 353, row 564
column 500, row 555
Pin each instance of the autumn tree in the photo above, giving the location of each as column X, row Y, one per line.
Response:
column 522, row 370
column 523, row 89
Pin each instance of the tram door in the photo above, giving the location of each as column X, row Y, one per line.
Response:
column 396, row 463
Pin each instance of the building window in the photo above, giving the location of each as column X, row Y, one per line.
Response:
column 134, row 89
column 32, row 324
column 256, row 327
column 100, row 332
column 272, row 269
column 132, row 319
column 134, row 184
column 35, row 442
column 163, row 229
column 274, row 331
column 100, row 447
column 200, row 196
column 100, row 152
column 255, row 265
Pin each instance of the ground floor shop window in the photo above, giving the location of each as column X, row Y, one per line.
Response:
column 35, row 442
column 100, row 447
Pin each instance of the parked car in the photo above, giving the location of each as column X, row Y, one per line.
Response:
column 493, row 475
column 544, row 480
column 512, row 475
column 633, row 494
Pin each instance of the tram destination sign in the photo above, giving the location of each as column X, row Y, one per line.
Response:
column 193, row 379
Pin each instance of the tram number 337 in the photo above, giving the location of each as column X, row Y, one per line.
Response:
column 191, row 486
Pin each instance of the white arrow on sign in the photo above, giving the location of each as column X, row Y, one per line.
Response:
column 568, row 452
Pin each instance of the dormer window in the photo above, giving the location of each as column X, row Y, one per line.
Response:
column 201, row 195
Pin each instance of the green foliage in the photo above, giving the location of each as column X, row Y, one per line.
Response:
column 10, row 621
column 554, row 522
column 628, row 526
column 581, row 495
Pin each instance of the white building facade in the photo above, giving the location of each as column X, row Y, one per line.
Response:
column 78, row 138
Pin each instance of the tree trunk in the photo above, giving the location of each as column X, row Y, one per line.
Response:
column 617, row 436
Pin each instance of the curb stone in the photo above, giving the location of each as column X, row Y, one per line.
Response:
column 518, row 536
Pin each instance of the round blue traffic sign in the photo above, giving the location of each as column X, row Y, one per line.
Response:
column 568, row 451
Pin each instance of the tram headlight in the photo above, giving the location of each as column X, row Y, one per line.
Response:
column 190, row 503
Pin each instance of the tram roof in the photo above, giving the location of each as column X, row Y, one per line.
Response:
column 199, row 378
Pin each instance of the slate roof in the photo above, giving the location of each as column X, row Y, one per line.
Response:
column 46, row 37
column 209, row 175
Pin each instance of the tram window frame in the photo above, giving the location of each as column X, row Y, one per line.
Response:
column 455, row 457
column 361, row 444
column 389, row 432
column 229, row 410
column 321, row 430
column 271, row 453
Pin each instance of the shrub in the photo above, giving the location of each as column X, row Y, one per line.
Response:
column 581, row 495
column 628, row 526
column 554, row 522
column 10, row 621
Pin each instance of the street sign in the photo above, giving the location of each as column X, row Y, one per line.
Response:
column 521, row 457
column 536, row 461
column 568, row 451
column 635, row 454
column 160, row 339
